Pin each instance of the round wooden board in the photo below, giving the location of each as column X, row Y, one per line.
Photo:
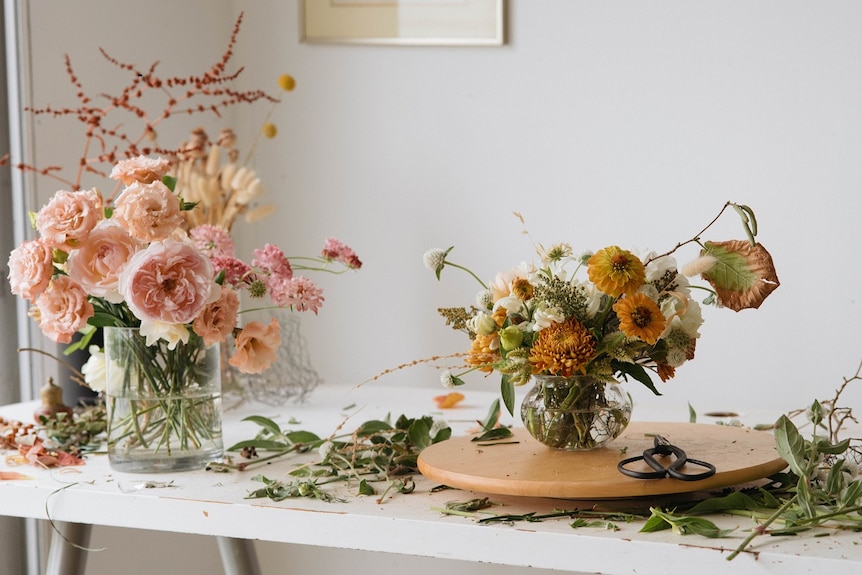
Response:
column 528, row 468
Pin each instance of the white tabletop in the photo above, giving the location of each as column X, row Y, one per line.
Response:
column 211, row 503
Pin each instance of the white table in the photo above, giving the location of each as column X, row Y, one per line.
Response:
column 215, row 504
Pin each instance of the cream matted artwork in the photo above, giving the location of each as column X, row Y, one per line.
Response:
column 404, row 22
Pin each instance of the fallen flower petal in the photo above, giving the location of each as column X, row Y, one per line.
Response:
column 449, row 400
column 13, row 475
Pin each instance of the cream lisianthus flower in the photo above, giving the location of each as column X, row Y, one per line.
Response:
column 173, row 333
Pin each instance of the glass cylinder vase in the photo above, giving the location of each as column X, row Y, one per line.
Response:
column 575, row 413
column 164, row 405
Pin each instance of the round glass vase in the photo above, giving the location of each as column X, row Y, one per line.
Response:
column 164, row 405
column 575, row 413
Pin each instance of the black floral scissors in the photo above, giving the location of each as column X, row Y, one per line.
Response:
column 664, row 448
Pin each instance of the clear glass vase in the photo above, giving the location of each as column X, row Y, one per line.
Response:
column 164, row 405
column 575, row 413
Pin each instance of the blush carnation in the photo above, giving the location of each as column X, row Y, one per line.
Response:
column 31, row 266
column 69, row 217
column 96, row 266
column 170, row 281
column 63, row 309
column 149, row 212
column 218, row 319
column 141, row 169
column 256, row 345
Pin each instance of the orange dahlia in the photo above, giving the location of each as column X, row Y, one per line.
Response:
column 563, row 349
column 616, row 271
column 640, row 317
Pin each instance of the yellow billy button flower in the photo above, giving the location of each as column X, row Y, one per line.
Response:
column 640, row 317
column 616, row 271
column 269, row 130
column 286, row 82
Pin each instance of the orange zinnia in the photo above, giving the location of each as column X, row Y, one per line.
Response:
column 616, row 271
column 640, row 317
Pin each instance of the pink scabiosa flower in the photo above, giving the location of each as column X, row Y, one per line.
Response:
column 68, row 218
column 212, row 240
column 63, row 309
column 256, row 345
column 96, row 266
column 218, row 319
column 273, row 262
column 301, row 294
column 334, row 250
column 236, row 271
column 31, row 266
column 149, row 212
column 170, row 281
column 141, row 169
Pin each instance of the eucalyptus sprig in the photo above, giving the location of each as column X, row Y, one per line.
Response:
column 376, row 451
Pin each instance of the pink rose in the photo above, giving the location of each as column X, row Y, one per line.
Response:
column 63, row 309
column 67, row 219
column 31, row 266
column 149, row 212
column 256, row 345
column 141, row 169
column 218, row 319
column 170, row 281
column 97, row 264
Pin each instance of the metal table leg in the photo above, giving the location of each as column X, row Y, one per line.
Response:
column 67, row 554
column 238, row 556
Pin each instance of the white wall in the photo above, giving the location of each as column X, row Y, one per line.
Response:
column 601, row 122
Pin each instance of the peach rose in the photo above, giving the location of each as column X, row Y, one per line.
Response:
column 68, row 218
column 31, row 266
column 141, row 169
column 218, row 318
column 97, row 264
column 256, row 345
column 149, row 212
column 169, row 281
column 63, row 309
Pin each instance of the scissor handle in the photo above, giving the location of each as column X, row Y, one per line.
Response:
column 664, row 448
column 710, row 471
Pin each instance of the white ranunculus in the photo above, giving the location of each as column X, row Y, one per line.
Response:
column 545, row 316
column 690, row 320
column 511, row 304
column 594, row 299
column 95, row 370
column 482, row 324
